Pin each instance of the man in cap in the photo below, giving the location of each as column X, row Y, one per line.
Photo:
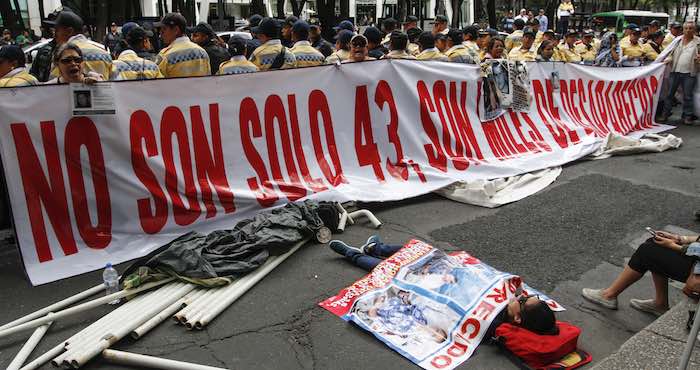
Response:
column 397, row 46
column 456, row 51
column 68, row 30
column 271, row 54
column 567, row 49
column 342, row 47
column 238, row 63
column 388, row 25
column 374, row 43
column 129, row 65
column 205, row 37
column 626, row 34
column 587, row 49
column 318, row 42
column 676, row 29
column 287, row 31
column 441, row 42
column 483, row 42
column 514, row 39
column 43, row 60
column 358, row 50
column 182, row 57
column 525, row 52
column 344, row 25
column 254, row 43
column 632, row 52
column 428, row 51
column 411, row 22
column 111, row 39
column 305, row 54
column 471, row 35
column 652, row 48
column 12, row 71
column 413, row 34
column 654, row 26
column 440, row 25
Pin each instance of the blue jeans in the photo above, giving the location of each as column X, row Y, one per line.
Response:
column 374, row 255
column 675, row 81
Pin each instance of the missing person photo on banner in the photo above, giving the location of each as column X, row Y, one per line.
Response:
column 520, row 84
column 496, row 94
column 89, row 100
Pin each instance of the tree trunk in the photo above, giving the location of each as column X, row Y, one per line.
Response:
column 326, row 15
column 491, row 12
column 297, row 7
column 101, row 19
column 257, row 7
column 344, row 9
column 280, row 8
column 8, row 15
column 456, row 12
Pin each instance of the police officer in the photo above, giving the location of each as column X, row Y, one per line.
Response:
column 456, row 51
column 12, row 71
column 305, row 54
column 676, row 29
column 440, row 25
column 238, row 63
column 389, row 25
column 632, row 51
column 342, row 47
column 653, row 48
column 514, row 39
column 525, row 52
column 318, row 42
column 129, row 66
column 287, row 31
column 471, row 34
column 374, row 43
column 428, row 51
column 398, row 42
column 413, row 34
column 205, row 37
column 68, row 30
column 254, row 43
column 411, row 22
column 271, row 54
column 567, row 49
column 182, row 57
column 587, row 49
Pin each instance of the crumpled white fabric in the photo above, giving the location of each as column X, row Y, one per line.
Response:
column 616, row 144
column 497, row 192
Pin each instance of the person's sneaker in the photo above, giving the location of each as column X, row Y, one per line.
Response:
column 648, row 306
column 596, row 296
column 341, row 248
column 371, row 242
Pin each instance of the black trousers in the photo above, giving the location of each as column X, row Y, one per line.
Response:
column 661, row 260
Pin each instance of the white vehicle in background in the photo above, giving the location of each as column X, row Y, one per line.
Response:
column 226, row 35
column 31, row 50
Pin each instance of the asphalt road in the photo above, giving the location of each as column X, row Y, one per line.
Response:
column 574, row 234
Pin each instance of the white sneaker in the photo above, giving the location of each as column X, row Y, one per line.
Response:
column 596, row 296
column 648, row 306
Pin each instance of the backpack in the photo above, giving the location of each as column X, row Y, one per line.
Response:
column 543, row 351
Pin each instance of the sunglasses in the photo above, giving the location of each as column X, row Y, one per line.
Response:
column 522, row 299
column 69, row 60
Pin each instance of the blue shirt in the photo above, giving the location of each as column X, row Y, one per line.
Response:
column 544, row 22
column 401, row 317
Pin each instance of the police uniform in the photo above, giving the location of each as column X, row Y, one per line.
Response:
column 586, row 52
column 265, row 55
column 95, row 57
column 538, row 37
column 625, row 41
column 18, row 77
column 130, row 66
column 338, row 56
column 650, row 52
column 633, row 51
column 183, row 58
column 413, row 49
column 459, row 54
column 432, row 54
column 514, row 40
column 399, row 54
column 306, row 55
column 568, row 54
column 668, row 39
column 473, row 50
column 520, row 55
column 237, row 65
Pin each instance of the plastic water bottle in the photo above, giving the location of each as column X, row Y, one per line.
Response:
column 111, row 281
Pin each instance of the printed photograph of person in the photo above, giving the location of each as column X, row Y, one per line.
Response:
column 520, row 79
column 83, row 99
column 410, row 322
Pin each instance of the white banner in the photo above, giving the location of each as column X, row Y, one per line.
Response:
column 202, row 153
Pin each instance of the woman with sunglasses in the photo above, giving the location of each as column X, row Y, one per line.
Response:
column 358, row 50
column 69, row 59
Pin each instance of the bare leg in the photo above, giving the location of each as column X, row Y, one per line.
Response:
column 626, row 278
column 661, row 289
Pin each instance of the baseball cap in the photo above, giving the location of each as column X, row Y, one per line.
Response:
column 113, row 24
column 588, row 33
column 655, row 23
column 529, row 33
column 483, row 32
column 173, row 20
column 456, row 36
column 440, row 19
column 471, row 30
column 373, row 34
column 300, row 26
column 637, row 30
column 632, row 26
column 413, row 33
column 571, row 33
column 289, row 21
column 128, row 26
column 519, row 22
column 268, row 26
column 204, row 28
column 236, row 45
column 426, row 40
column 254, row 20
column 67, row 19
column 344, row 36
column 492, row 32
column 345, row 25
column 13, row 53
column 390, row 22
column 549, row 32
column 137, row 34
column 676, row 25
column 411, row 19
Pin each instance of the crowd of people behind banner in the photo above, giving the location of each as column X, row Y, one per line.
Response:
column 72, row 56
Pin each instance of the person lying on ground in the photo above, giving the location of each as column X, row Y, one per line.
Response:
column 529, row 312
column 665, row 256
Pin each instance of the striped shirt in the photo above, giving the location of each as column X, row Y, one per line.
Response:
column 265, row 55
column 183, row 58
column 130, row 66
column 18, row 77
column 237, row 65
column 306, row 55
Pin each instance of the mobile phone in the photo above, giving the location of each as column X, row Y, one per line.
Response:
column 651, row 231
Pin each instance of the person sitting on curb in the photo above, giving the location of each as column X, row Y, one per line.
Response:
column 527, row 311
column 665, row 256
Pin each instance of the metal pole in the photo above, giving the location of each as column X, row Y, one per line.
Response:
column 685, row 357
column 617, row 5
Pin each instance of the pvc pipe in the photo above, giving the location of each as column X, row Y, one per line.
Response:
column 179, row 317
column 244, row 286
column 53, row 352
column 125, row 328
column 143, row 361
column 343, row 220
column 28, row 347
column 363, row 212
column 55, row 307
column 220, row 294
column 163, row 315
column 80, row 308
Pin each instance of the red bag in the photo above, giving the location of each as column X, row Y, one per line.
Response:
column 541, row 351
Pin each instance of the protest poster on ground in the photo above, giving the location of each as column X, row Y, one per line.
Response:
column 432, row 308
column 87, row 190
